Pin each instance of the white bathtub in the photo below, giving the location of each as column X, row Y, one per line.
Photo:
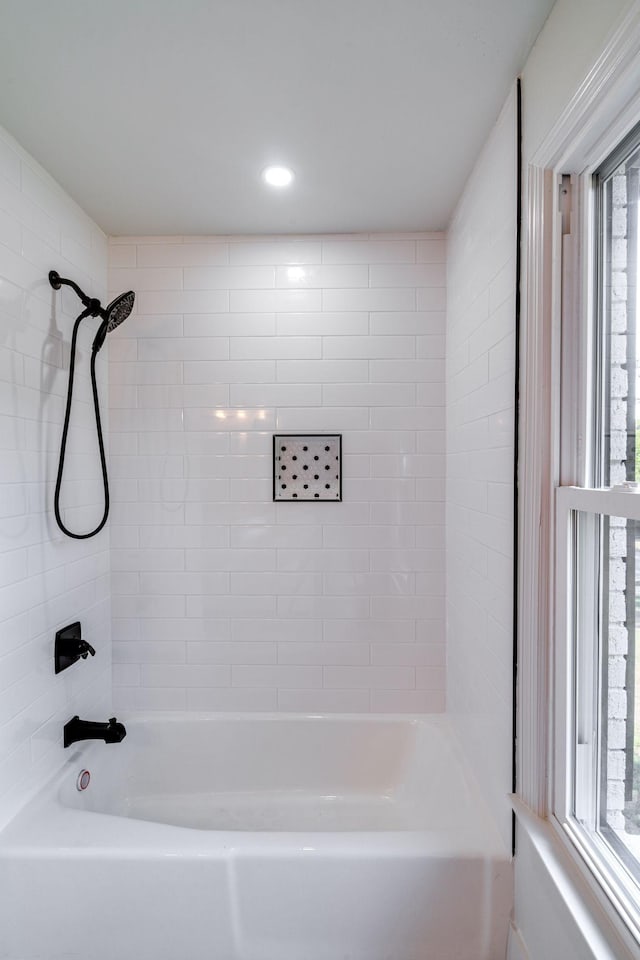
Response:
column 207, row 837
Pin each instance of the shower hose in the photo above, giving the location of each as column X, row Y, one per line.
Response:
column 65, row 431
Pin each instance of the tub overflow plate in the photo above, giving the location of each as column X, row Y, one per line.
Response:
column 84, row 778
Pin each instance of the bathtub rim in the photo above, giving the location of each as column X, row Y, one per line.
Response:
column 46, row 826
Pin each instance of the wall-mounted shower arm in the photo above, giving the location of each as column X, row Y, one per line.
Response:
column 91, row 304
column 112, row 315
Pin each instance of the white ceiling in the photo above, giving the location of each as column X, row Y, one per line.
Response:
column 157, row 116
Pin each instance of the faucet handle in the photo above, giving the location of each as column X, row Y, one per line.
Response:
column 70, row 647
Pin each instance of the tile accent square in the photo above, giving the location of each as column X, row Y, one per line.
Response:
column 307, row 466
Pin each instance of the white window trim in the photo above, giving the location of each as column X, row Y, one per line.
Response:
column 582, row 137
column 594, row 852
column 590, row 501
column 604, row 109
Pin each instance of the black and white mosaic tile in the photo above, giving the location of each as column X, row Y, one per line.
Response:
column 307, row 466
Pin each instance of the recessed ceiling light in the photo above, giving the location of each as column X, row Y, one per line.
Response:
column 277, row 176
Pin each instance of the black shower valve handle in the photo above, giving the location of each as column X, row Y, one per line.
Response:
column 85, row 649
column 70, row 647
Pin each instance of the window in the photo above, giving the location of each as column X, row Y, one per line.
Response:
column 597, row 782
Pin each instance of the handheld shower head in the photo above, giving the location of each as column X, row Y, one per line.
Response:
column 119, row 309
column 113, row 315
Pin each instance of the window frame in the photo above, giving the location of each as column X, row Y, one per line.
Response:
column 606, row 867
column 576, row 491
column 593, row 116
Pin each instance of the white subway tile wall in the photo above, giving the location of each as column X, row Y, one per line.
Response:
column 224, row 600
column 481, row 282
column 46, row 579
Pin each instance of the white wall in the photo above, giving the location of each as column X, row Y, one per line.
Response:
column 46, row 580
column 224, row 600
column 481, row 285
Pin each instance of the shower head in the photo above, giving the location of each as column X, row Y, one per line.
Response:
column 112, row 315
column 118, row 310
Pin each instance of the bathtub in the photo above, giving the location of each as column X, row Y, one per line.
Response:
column 217, row 837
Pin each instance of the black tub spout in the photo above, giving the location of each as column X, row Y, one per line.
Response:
column 77, row 729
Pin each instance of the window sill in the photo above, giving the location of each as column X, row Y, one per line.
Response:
column 593, row 913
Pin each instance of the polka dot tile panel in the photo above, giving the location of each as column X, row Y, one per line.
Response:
column 307, row 467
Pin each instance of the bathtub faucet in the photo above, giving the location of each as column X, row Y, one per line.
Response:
column 77, row 729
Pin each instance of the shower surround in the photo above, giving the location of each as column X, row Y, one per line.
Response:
column 223, row 599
